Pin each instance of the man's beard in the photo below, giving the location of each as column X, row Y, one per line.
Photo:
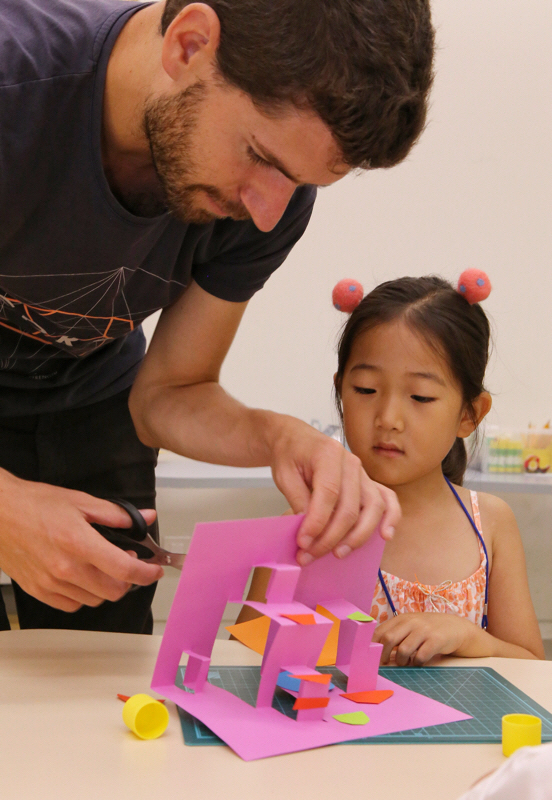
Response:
column 169, row 125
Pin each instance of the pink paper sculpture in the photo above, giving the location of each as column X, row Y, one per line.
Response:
column 216, row 571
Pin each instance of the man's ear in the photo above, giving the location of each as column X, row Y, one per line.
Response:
column 469, row 422
column 190, row 44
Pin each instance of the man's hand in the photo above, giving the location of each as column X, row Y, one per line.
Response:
column 417, row 637
column 48, row 546
column 319, row 477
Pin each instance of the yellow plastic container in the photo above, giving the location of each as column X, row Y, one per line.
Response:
column 146, row 717
column 520, row 730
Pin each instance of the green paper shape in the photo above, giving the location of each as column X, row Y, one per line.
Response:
column 360, row 616
column 354, row 718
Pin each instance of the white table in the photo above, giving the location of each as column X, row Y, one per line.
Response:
column 62, row 735
column 177, row 472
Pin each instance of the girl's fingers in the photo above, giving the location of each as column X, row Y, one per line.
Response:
column 389, row 635
column 408, row 648
column 425, row 652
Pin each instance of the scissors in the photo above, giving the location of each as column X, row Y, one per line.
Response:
column 145, row 547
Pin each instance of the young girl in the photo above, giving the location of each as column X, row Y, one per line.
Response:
column 409, row 387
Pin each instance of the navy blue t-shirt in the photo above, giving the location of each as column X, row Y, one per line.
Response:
column 78, row 272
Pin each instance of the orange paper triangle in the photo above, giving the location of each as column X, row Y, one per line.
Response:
column 376, row 696
column 252, row 634
column 329, row 651
column 302, row 619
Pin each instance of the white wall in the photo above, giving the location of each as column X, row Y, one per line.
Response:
column 476, row 191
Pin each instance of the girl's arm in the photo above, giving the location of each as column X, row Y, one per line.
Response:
column 513, row 625
column 415, row 638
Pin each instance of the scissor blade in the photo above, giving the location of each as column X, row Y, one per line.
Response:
column 161, row 556
column 176, row 560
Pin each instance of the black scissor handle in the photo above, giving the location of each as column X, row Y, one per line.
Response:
column 139, row 525
column 119, row 536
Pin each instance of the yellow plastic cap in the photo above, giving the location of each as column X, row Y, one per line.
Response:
column 146, row 717
column 520, row 730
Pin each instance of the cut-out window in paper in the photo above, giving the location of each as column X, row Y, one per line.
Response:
column 330, row 590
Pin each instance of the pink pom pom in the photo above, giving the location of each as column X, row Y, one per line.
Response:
column 474, row 285
column 347, row 294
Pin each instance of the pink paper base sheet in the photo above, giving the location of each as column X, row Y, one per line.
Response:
column 261, row 732
column 217, row 567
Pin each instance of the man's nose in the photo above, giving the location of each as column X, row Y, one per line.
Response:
column 266, row 198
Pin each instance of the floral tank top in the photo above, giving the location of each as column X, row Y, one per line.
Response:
column 465, row 598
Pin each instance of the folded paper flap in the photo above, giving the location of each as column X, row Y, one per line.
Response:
column 310, row 702
column 341, row 608
column 283, row 611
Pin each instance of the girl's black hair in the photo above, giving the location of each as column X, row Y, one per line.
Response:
column 457, row 330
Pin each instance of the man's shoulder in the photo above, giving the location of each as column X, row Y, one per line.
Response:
column 233, row 260
column 44, row 39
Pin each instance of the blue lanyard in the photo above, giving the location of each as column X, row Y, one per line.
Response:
column 472, row 523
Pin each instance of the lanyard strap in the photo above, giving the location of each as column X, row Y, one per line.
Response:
column 474, row 526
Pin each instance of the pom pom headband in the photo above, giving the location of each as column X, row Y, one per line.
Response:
column 473, row 284
column 347, row 294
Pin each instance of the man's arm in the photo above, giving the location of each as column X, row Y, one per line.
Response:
column 177, row 403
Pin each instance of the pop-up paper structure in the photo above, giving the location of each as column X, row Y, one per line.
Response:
column 216, row 571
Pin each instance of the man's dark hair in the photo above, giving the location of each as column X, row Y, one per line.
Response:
column 458, row 331
column 363, row 66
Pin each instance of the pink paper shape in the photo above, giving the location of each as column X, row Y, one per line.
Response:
column 215, row 572
column 282, row 583
column 309, row 689
column 357, row 656
column 305, row 642
column 197, row 669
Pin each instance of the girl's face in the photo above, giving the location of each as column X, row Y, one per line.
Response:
column 402, row 407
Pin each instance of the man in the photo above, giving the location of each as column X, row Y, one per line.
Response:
column 164, row 156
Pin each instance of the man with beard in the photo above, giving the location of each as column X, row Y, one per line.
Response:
column 165, row 156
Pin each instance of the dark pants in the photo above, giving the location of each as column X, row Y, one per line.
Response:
column 95, row 450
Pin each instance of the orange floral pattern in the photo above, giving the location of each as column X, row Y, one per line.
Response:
column 465, row 598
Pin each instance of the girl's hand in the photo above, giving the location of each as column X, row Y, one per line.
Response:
column 417, row 637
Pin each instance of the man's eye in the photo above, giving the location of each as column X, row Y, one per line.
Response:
column 256, row 158
column 363, row 390
column 420, row 399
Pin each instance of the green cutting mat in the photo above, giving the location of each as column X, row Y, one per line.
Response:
column 478, row 691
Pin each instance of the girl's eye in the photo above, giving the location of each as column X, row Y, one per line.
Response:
column 363, row 390
column 419, row 399
column 256, row 158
